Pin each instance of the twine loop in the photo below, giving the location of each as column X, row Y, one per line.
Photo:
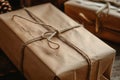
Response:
column 49, row 36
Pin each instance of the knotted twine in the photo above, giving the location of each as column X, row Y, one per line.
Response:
column 53, row 33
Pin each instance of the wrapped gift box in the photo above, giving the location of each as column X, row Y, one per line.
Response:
column 46, row 44
column 109, row 26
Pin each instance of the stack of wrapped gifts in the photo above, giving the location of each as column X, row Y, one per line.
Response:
column 101, row 17
column 45, row 44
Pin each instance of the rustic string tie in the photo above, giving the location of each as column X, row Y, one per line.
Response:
column 47, row 35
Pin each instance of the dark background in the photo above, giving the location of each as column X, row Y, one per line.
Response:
column 15, row 4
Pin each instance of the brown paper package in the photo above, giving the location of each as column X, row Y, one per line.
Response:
column 41, row 62
column 109, row 26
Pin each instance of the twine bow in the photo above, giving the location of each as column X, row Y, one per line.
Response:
column 47, row 35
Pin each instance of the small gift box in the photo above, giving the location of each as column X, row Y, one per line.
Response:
column 46, row 44
column 102, row 19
